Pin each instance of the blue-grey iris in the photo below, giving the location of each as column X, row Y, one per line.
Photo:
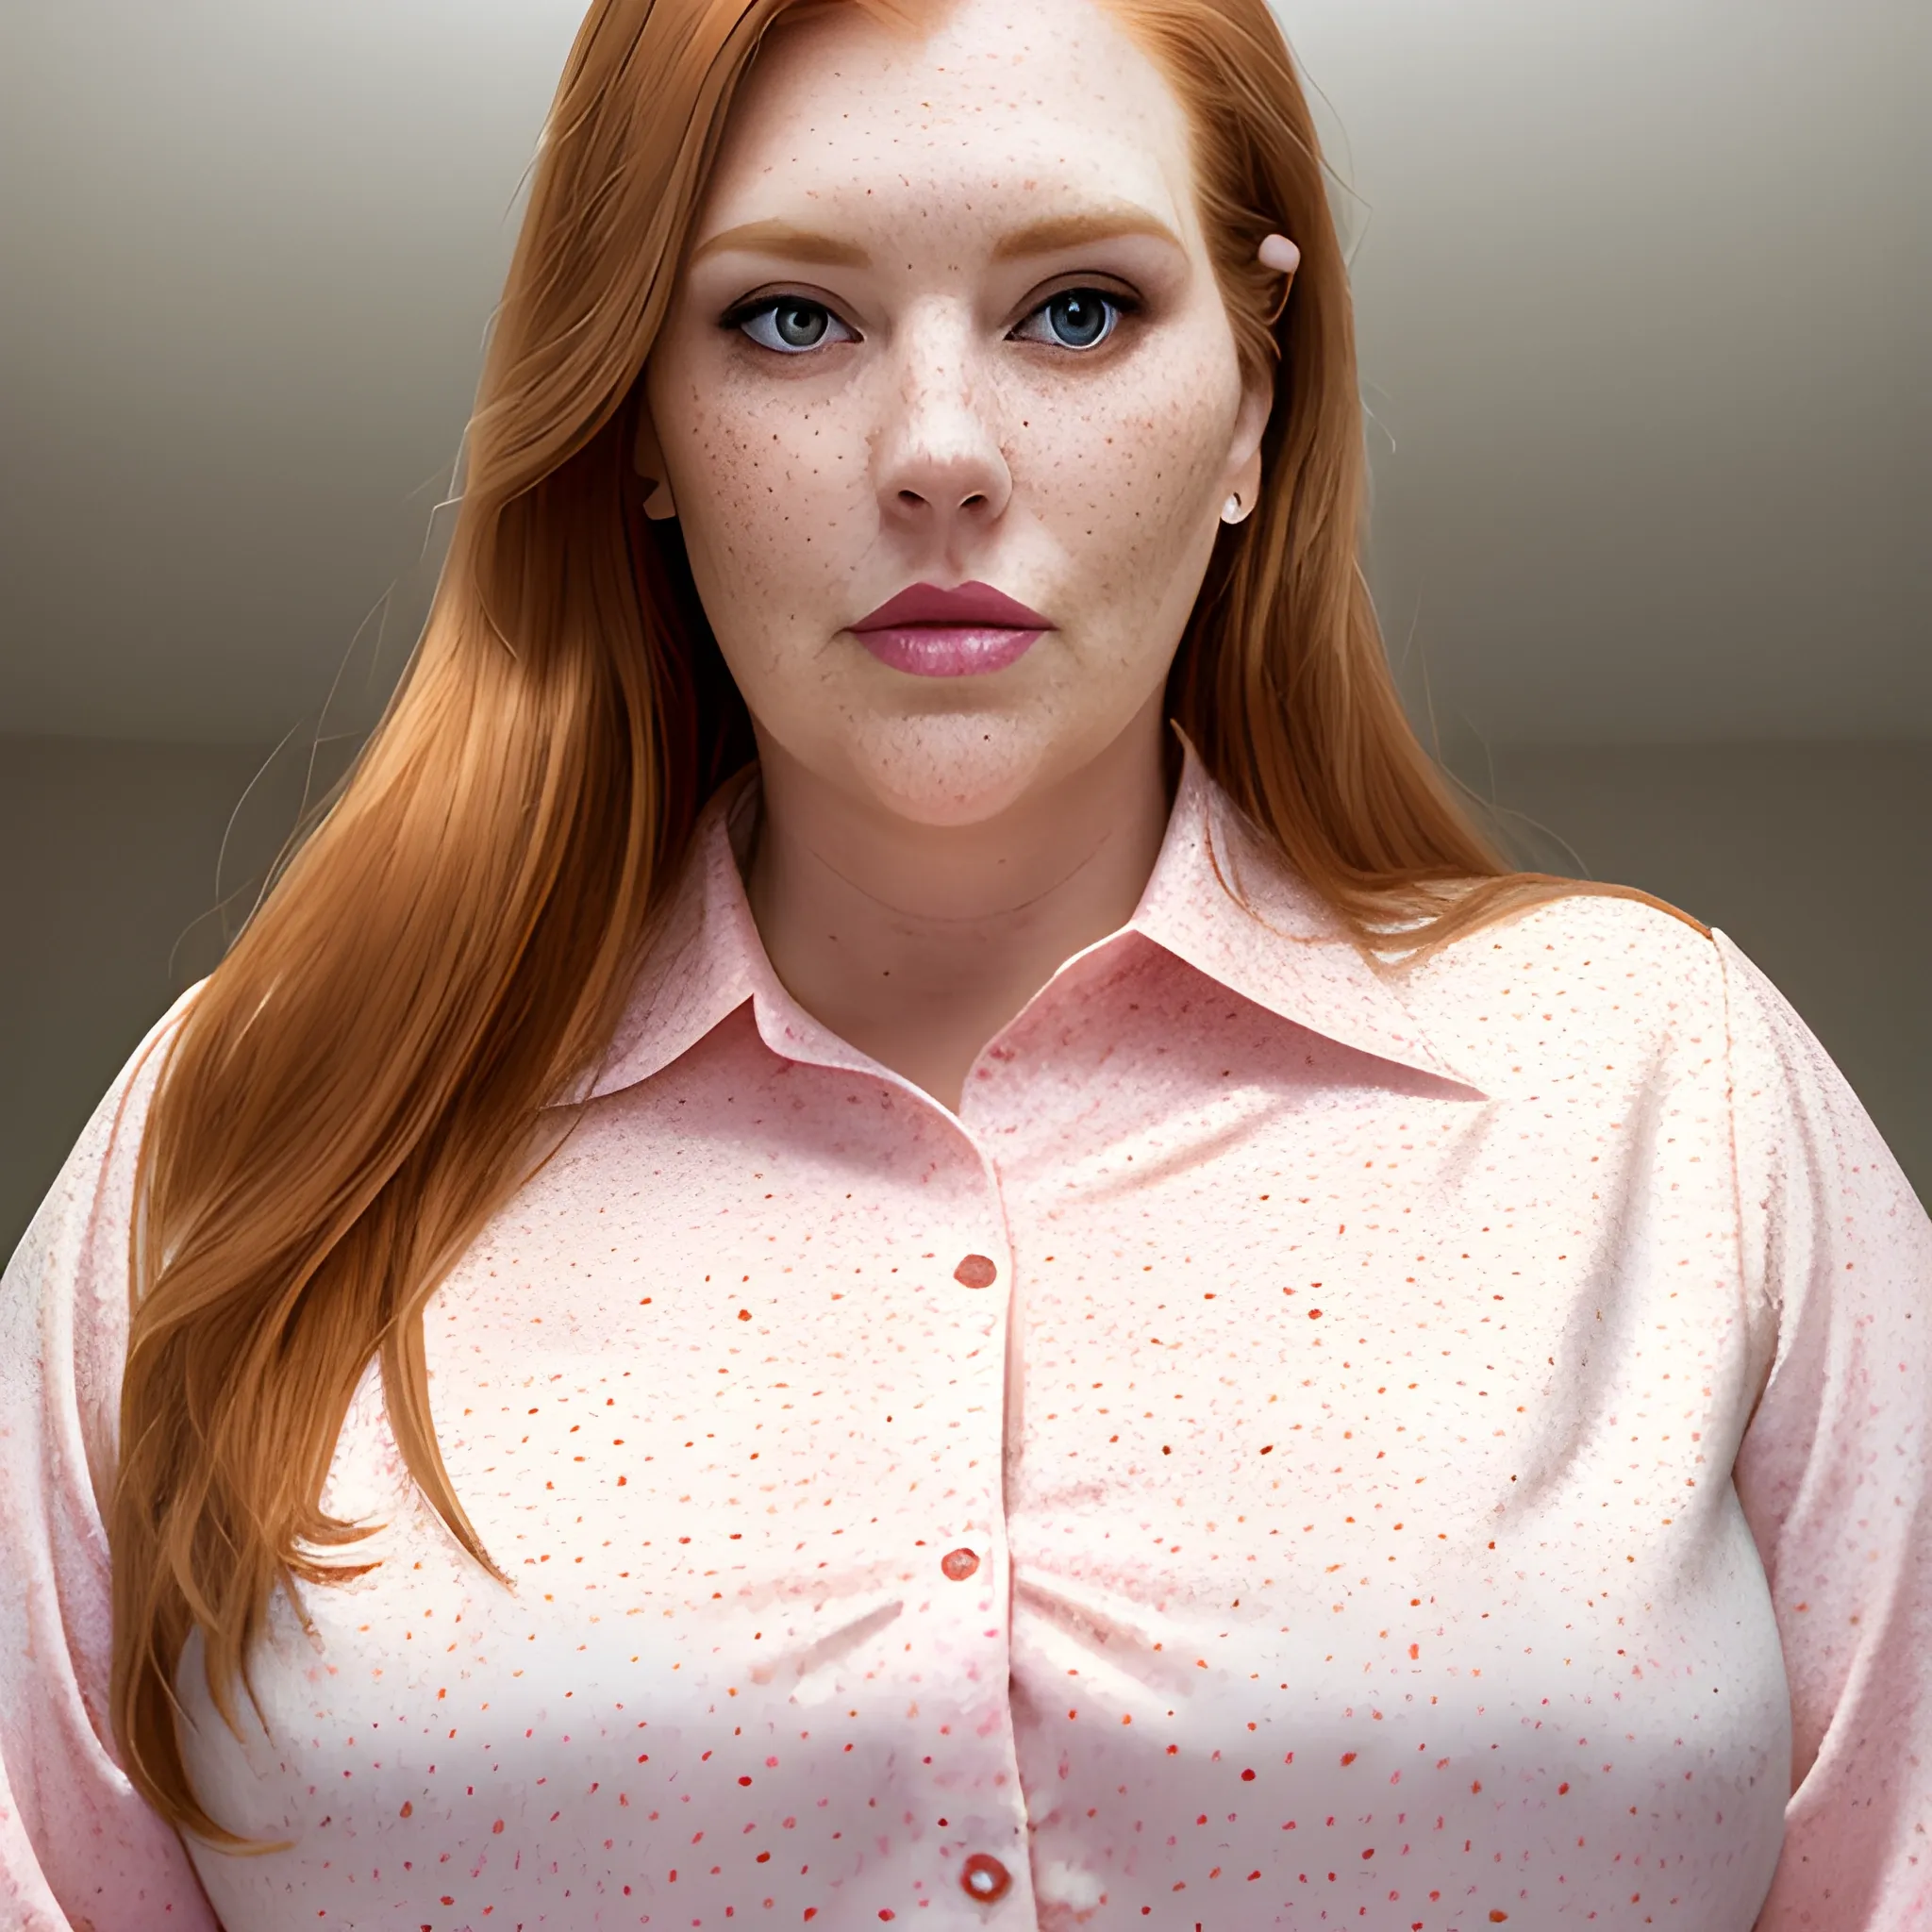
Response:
column 1078, row 317
column 799, row 325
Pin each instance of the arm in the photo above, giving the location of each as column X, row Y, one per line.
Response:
column 78, row 1847
column 1833, row 1472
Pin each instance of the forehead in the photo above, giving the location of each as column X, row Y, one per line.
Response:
column 993, row 110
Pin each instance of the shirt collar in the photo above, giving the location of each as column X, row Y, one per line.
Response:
column 1217, row 898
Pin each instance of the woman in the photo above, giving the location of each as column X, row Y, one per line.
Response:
column 1004, row 1312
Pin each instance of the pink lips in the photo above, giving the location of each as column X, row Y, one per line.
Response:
column 933, row 633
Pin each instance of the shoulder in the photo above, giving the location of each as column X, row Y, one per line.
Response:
column 64, row 1297
column 1577, row 982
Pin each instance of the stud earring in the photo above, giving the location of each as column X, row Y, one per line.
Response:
column 1231, row 511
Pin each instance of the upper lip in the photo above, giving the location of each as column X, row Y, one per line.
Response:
column 964, row 604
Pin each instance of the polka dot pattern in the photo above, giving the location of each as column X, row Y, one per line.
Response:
column 1304, row 1445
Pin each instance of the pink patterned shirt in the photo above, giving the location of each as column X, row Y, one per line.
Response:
column 1302, row 1446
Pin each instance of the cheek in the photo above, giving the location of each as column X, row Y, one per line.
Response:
column 771, row 499
column 1129, row 474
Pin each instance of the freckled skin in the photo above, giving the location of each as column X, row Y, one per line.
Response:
column 931, row 849
column 1086, row 483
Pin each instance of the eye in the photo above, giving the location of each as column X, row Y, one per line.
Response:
column 789, row 325
column 1075, row 319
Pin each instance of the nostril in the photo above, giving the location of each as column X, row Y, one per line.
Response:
column 974, row 501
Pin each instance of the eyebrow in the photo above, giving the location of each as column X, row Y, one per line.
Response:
column 1054, row 232
column 782, row 238
column 1047, row 236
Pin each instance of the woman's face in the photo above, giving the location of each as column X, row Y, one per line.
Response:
column 948, row 319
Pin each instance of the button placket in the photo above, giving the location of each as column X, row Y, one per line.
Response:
column 974, row 1794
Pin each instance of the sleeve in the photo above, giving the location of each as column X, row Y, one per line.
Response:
column 80, row 1851
column 1832, row 1471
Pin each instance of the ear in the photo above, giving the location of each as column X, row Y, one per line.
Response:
column 1244, row 446
column 647, row 458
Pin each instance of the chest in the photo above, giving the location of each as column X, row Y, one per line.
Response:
column 802, row 1300
column 1205, row 1408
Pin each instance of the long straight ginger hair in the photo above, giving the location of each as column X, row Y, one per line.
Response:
column 357, row 1085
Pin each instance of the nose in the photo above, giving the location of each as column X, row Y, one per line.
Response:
column 938, row 462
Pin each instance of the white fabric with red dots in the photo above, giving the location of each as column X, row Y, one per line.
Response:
column 1304, row 1446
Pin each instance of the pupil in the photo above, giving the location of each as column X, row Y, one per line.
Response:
column 1078, row 318
column 800, row 326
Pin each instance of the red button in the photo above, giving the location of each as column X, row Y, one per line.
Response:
column 975, row 1270
column 984, row 1878
column 960, row 1564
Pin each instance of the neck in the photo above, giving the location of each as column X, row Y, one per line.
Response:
column 916, row 943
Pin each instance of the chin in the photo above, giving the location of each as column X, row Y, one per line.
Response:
column 954, row 768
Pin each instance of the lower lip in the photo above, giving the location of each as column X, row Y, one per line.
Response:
column 947, row 650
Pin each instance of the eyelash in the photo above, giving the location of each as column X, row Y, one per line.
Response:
column 1120, row 306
